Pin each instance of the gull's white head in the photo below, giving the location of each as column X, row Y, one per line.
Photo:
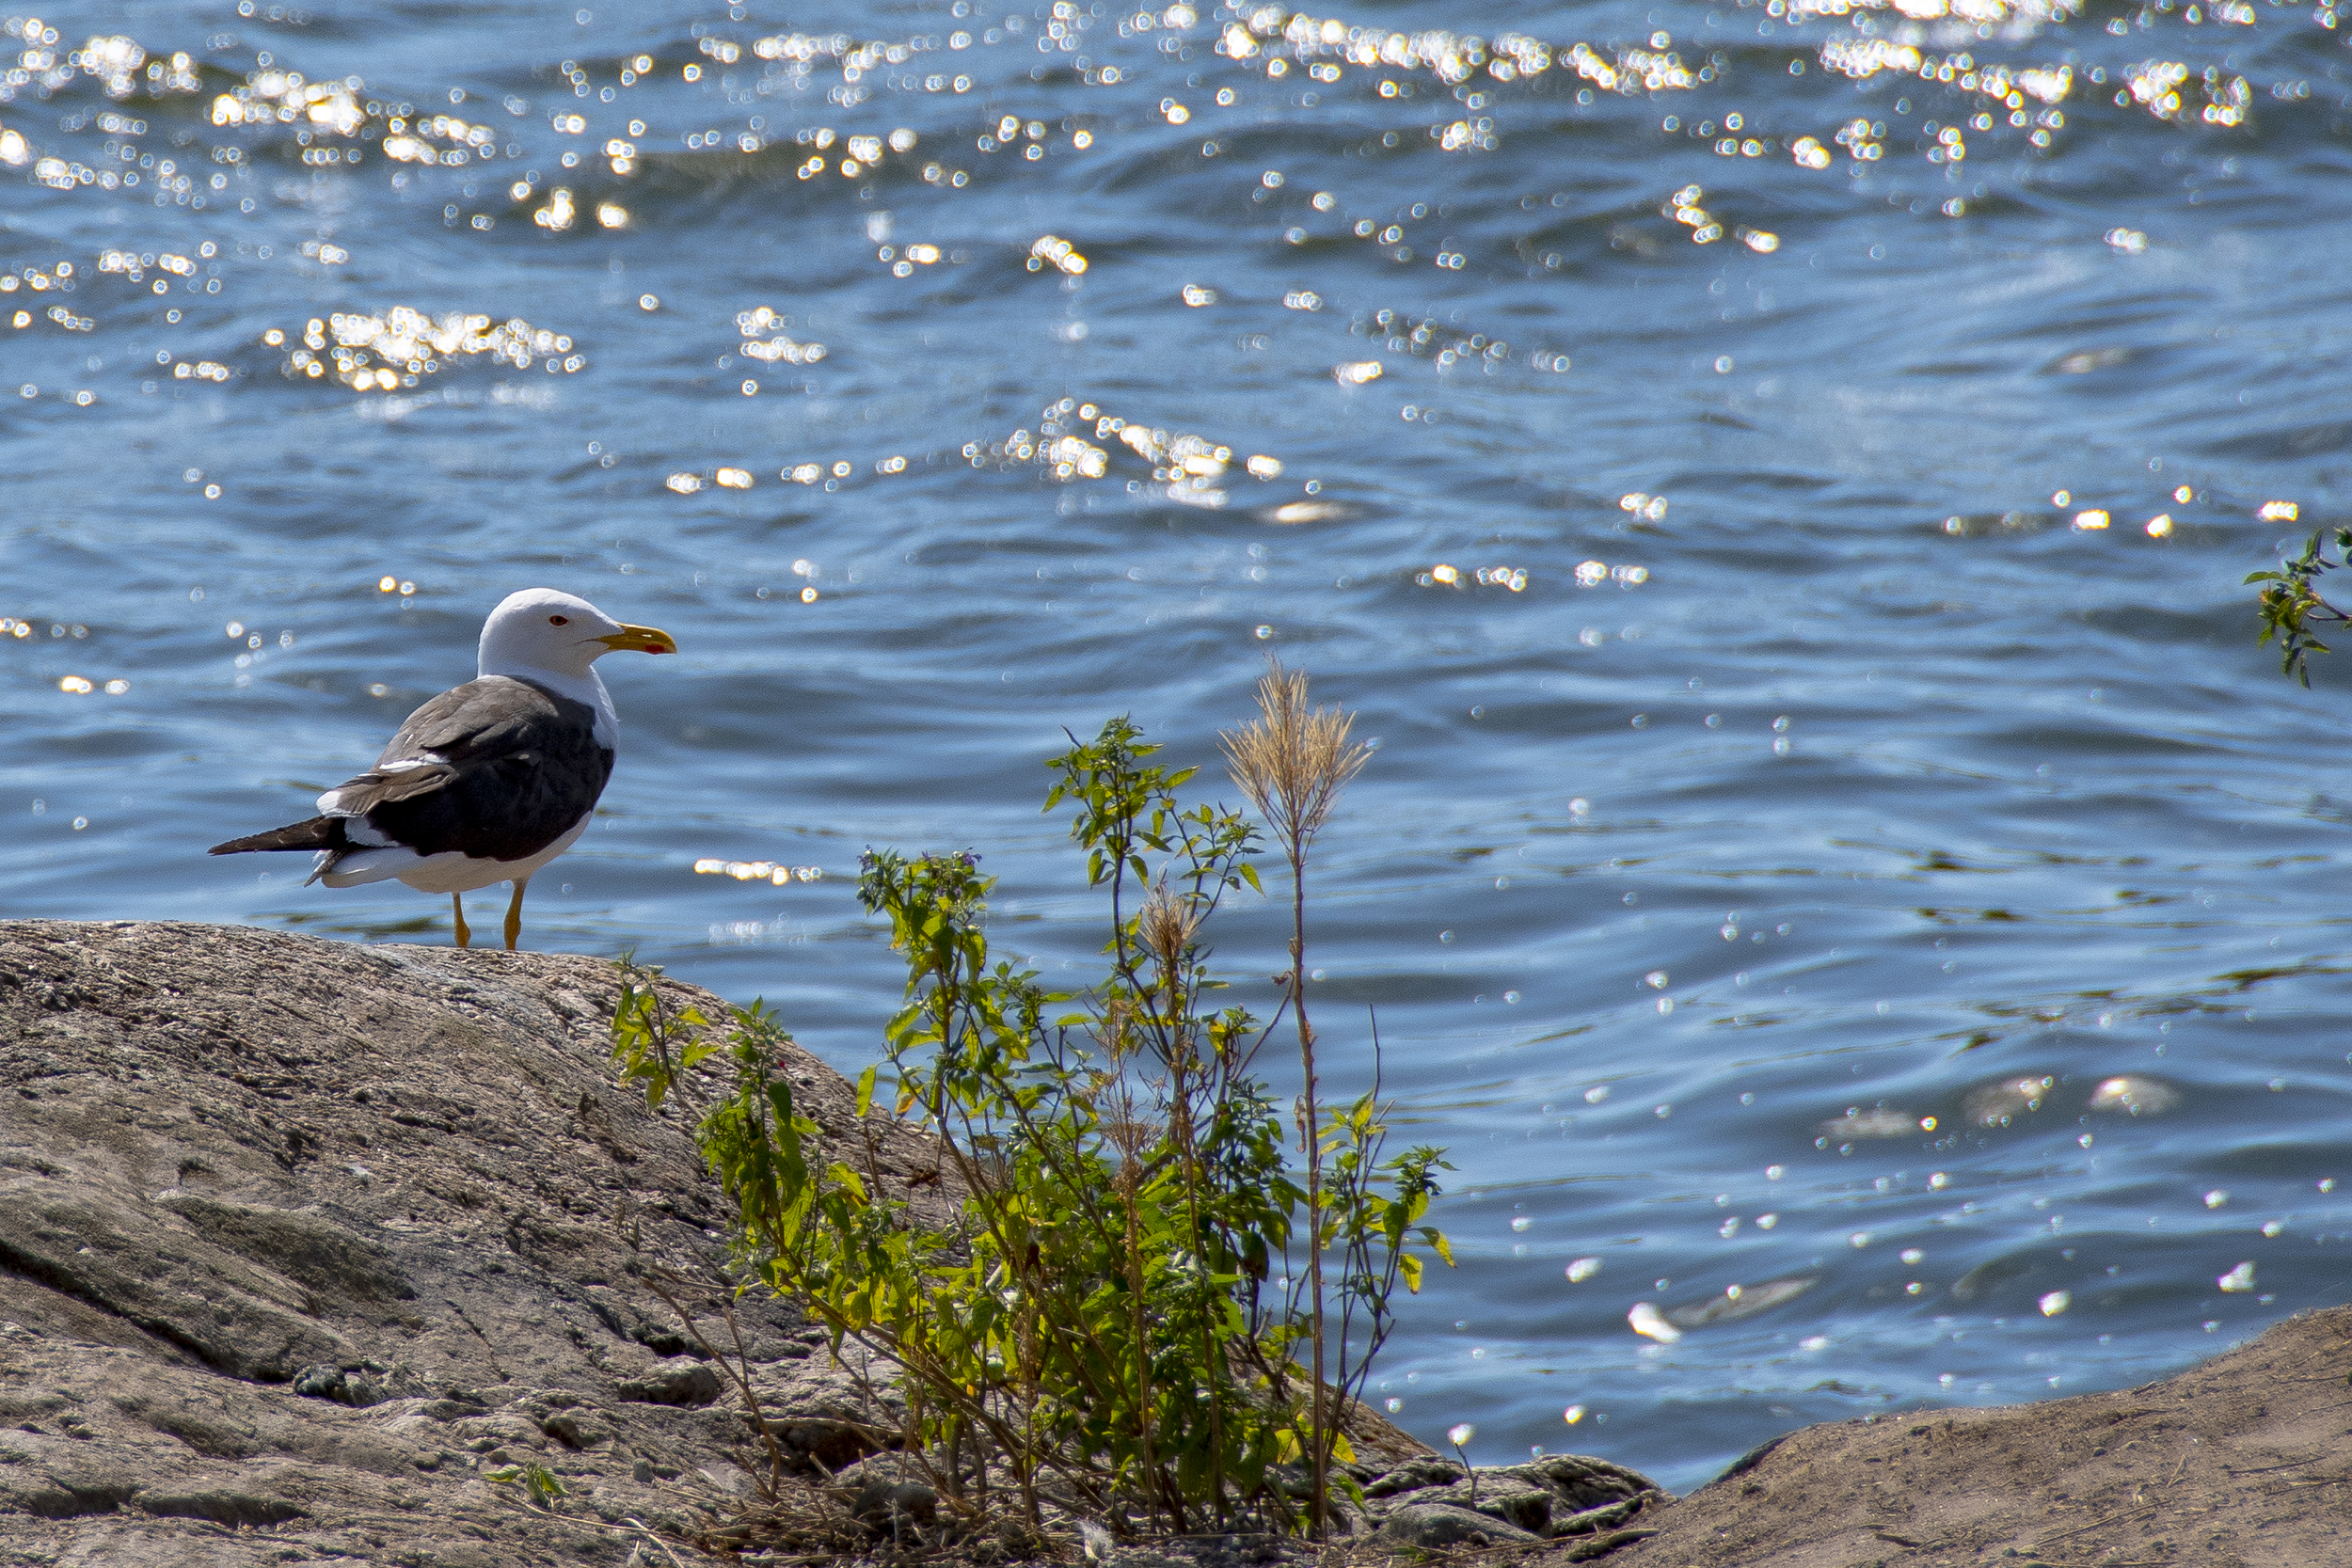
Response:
column 539, row 630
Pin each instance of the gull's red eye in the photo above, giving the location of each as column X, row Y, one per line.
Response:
column 559, row 620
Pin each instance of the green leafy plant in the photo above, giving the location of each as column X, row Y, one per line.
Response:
column 2292, row 604
column 1107, row 1321
column 544, row 1485
column 654, row 1047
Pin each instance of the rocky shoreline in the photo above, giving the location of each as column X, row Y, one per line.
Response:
column 297, row 1238
column 305, row 1245
column 2243, row 1462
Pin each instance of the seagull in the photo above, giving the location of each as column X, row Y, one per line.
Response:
column 490, row 780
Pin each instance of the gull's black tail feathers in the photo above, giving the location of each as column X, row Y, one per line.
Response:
column 319, row 832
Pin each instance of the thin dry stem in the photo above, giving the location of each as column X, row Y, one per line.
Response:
column 1293, row 762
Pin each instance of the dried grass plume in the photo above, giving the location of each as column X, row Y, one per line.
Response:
column 1290, row 761
column 1168, row 925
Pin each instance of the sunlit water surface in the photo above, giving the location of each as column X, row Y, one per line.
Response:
column 1774, row 483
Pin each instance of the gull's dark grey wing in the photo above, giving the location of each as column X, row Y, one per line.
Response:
column 496, row 769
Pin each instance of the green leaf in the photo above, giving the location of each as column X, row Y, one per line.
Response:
column 544, row 1484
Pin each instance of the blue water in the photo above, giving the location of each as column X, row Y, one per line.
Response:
column 1857, row 745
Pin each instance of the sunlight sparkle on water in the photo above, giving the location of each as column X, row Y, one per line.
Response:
column 405, row 346
column 1650, row 1323
column 758, row 871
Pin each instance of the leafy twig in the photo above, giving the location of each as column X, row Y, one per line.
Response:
column 2292, row 602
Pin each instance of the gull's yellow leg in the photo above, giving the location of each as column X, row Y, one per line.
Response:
column 457, row 906
column 514, row 913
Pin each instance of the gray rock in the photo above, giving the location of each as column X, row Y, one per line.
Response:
column 1513, row 1501
column 296, row 1236
column 1563, row 1495
column 1413, row 1475
column 886, row 1495
column 1433, row 1526
column 1606, row 1516
column 1344, row 1520
column 1579, row 1480
column 1205, row 1551
column 221, row 1505
column 680, row 1380
column 574, row 1430
column 371, row 1382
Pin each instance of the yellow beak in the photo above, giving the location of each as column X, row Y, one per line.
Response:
column 644, row 640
